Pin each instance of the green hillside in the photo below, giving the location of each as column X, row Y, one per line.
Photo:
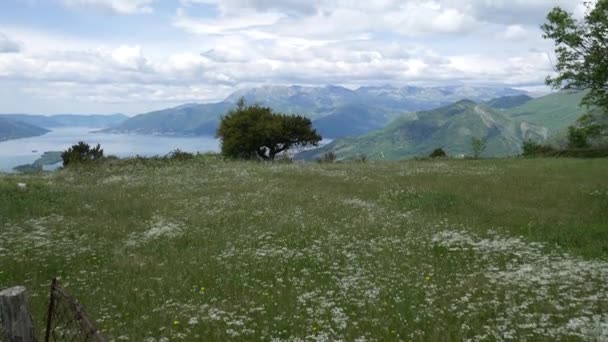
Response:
column 12, row 129
column 193, row 119
column 555, row 111
column 507, row 102
column 335, row 111
column 450, row 128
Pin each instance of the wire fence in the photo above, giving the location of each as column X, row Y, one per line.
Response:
column 66, row 319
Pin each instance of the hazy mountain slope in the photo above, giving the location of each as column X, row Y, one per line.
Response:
column 12, row 129
column 335, row 111
column 450, row 127
column 507, row 102
column 555, row 111
column 352, row 120
column 65, row 120
column 193, row 119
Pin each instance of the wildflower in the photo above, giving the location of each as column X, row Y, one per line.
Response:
column 176, row 322
column 427, row 278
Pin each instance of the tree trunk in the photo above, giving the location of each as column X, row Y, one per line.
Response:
column 15, row 319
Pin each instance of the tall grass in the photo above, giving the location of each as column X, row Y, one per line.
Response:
column 207, row 249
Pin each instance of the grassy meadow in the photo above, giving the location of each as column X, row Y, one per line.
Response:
column 206, row 249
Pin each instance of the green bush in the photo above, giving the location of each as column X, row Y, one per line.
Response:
column 533, row 149
column 179, row 155
column 81, row 153
column 478, row 146
column 438, row 153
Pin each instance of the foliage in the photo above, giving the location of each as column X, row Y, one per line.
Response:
column 534, row 149
column 179, row 155
column 438, row 153
column 589, row 130
column 328, row 157
column 577, row 137
column 253, row 131
column 80, row 153
column 581, row 50
column 478, row 146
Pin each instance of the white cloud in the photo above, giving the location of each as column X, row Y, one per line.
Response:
column 8, row 45
column 113, row 6
column 252, row 42
column 515, row 33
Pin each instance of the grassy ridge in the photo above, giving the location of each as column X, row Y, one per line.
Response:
column 210, row 250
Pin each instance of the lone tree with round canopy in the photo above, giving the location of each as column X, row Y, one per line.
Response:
column 255, row 131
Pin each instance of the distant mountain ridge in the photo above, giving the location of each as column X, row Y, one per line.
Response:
column 13, row 129
column 336, row 111
column 505, row 122
column 68, row 120
column 450, row 128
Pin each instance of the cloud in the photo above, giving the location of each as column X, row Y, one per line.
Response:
column 515, row 33
column 113, row 6
column 222, row 45
column 7, row 45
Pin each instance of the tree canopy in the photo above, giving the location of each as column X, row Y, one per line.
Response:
column 581, row 51
column 255, row 131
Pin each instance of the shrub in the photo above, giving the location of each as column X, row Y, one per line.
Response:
column 179, row 155
column 81, row 153
column 577, row 137
column 328, row 157
column 259, row 132
column 438, row 153
column 534, row 149
column 478, row 146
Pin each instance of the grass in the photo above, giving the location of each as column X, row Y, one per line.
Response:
column 206, row 249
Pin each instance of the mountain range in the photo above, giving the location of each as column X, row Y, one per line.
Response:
column 505, row 123
column 13, row 129
column 15, row 126
column 68, row 120
column 335, row 111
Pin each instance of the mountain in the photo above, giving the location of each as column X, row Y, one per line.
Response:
column 12, row 129
column 508, row 102
column 450, row 127
column 192, row 119
column 555, row 111
column 335, row 111
column 65, row 120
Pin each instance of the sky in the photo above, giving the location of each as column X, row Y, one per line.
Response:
column 132, row 56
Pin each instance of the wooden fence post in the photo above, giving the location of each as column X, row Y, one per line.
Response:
column 15, row 319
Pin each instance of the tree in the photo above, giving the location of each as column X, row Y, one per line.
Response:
column 81, row 152
column 438, row 153
column 258, row 132
column 478, row 146
column 582, row 51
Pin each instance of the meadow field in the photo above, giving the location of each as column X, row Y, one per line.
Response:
column 207, row 249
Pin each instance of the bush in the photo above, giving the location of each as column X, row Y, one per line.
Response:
column 534, row 149
column 254, row 131
column 179, row 155
column 577, row 138
column 438, row 153
column 478, row 146
column 328, row 157
column 81, row 153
